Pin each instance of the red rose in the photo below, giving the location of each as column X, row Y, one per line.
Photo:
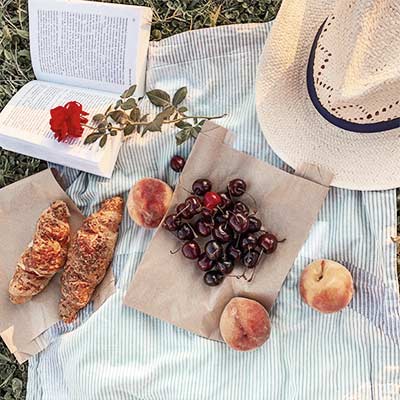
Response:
column 67, row 121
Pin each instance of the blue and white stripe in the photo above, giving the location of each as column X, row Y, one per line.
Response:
column 119, row 353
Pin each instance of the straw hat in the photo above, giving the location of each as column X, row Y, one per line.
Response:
column 328, row 89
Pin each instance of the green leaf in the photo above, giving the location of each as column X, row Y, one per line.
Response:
column 182, row 109
column 141, row 127
column 182, row 136
column 193, row 132
column 4, row 359
column 154, row 126
column 129, row 104
column 24, row 53
column 117, row 116
column 7, row 54
column 118, row 104
column 128, row 130
column 179, row 96
column 98, row 117
column 113, row 132
column 135, row 114
column 103, row 141
column 92, row 138
column 183, row 125
column 165, row 114
column 129, row 92
column 6, row 33
column 22, row 33
column 16, row 385
column 158, row 97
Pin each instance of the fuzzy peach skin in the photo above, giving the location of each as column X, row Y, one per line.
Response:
column 148, row 201
column 326, row 286
column 244, row 324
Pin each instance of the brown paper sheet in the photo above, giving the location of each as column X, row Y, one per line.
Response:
column 171, row 288
column 20, row 206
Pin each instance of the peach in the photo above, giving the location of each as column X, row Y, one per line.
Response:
column 244, row 324
column 148, row 201
column 326, row 286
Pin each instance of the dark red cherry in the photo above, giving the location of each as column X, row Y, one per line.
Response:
column 171, row 223
column 250, row 258
column 201, row 186
column 254, row 224
column 222, row 233
column 233, row 252
column 204, row 263
column 240, row 207
column 239, row 222
column 177, row 163
column 237, row 187
column 268, row 242
column 204, row 228
column 207, row 214
column 225, row 266
column 183, row 210
column 191, row 250
column 213, row 278
column 185, row 232
column 212, row 200
column 213, row 250
column 227, row 202
column 220, row 218
column 248, row 242
column 194, row 203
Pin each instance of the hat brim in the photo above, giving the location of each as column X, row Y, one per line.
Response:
column 294, row 128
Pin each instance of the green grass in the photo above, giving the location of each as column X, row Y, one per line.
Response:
column 170, row 17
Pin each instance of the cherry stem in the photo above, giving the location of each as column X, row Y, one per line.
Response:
column 175, row 251
column 255, row 210
column 194, row 232
column 220, row 209
column 253, row 274
column 238, row 239
column 183, row 209
column 187, row 191
column 235, row 276
column 281, row 241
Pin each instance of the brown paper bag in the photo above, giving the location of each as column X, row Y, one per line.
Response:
column 171, row 288
column 20, row 206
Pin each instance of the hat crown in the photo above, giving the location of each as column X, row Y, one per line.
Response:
column 356, row 72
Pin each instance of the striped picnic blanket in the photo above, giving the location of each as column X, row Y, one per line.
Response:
column 120, row 353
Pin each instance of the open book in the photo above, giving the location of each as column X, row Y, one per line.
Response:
column 81, row 51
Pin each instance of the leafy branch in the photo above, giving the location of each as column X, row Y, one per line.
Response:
column 127, row 117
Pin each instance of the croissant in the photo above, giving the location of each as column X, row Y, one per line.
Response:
column 89, row 257
column 45, row 255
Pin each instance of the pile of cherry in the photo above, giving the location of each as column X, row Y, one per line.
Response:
column 235, row 234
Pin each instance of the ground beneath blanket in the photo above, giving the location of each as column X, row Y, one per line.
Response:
column 170, row 17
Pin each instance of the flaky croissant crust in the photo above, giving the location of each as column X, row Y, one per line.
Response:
column 89, row 256
column 45, row 255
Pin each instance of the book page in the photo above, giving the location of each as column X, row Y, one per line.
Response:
column 26, row 119
column 89, row 44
